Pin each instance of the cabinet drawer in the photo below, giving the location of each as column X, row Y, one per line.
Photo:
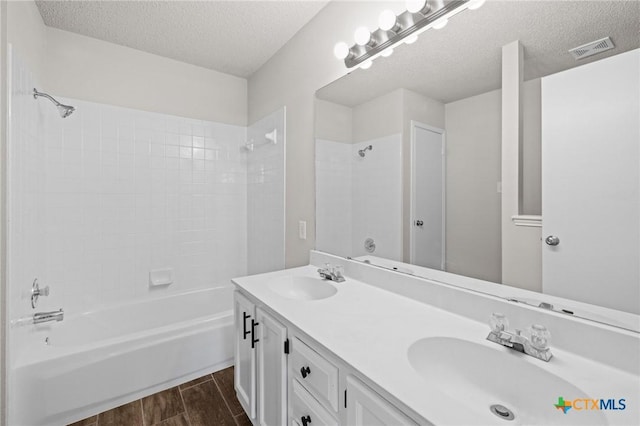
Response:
column 304, row 406
column 317, row 374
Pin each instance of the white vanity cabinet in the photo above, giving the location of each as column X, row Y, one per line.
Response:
column 366, row 408
column 260, row 363
column 296, row 382
column 314, row 386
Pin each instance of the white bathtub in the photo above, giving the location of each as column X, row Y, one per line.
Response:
column 99, row 360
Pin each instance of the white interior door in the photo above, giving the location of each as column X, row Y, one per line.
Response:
column 427, row 196
column 590, row 183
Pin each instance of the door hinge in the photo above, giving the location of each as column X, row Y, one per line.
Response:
column 345, row 398
column 286, row 346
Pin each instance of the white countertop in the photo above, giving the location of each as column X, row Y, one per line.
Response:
column 371, row 330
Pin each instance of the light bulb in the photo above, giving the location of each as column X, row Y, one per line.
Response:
column 475, row 4
column 415, row 6
column 387, row 20
column 362, row 36
column 341, row 50
column 386, row 52
column 366, row 64
column 441, row 24
column 411, row 39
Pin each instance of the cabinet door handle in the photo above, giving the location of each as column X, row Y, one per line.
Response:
column 305, row 371
column 245, row 332
column 253, row 333
column 305, row 420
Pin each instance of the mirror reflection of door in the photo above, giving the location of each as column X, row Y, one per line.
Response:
column 590, row 187
column 427, row 196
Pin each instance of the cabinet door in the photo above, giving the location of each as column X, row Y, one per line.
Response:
column 366, row 408
column 272, row 371
column 245, row 360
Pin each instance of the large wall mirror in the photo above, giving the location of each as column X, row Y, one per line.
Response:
column 409, row 156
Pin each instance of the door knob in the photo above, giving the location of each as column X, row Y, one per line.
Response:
column 552, row 240
column 419, row 223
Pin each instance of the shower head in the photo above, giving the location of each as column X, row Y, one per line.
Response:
column 362, row 152
column 63, row 110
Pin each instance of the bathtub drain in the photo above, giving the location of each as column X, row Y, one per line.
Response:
column 502, row 412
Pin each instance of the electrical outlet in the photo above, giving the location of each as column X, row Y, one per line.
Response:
column 302, row 229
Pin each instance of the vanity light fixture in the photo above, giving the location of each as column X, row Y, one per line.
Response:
column 395, row 30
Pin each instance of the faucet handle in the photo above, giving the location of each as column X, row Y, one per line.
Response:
column 498, row 322
column 540, row 337
column 338, row 270
column 36, row 292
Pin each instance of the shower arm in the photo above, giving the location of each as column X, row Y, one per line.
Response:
column 63, row 110
column 36, row 94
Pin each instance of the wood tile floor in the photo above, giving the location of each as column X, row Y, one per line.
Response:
column 207, row 401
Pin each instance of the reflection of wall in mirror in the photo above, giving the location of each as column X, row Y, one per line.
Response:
column 359, row 197
column 473, row 126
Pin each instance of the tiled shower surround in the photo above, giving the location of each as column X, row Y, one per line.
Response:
column 103, row 197
column 359, row 197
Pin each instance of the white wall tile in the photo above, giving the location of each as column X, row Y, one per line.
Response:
column 264, row 180
column 359, row 197
column 101, row 197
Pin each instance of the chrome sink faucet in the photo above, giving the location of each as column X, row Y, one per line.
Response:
column 40, row 317
column 536, row 344
column 333, row 273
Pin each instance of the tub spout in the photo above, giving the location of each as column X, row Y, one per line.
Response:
column 40, row 317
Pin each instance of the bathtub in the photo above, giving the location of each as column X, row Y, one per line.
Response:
column 95, row 361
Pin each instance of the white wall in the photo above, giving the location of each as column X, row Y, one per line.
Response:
column 378, row 117
column 473, row 230
column 474, row 139
column 28, row 34
column 290, row 78
column 3, row 194
column 76, row 66
column 333, row 122
column 93, row 70
column 521, row 250
column 334, row 197
column 531, row 161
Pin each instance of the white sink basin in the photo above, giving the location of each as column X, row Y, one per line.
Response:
column 478, row 377
column 302, row 288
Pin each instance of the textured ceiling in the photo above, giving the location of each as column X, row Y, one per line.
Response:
column 234, row 37
column 464, row 58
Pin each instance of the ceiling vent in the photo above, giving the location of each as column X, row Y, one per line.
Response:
column 592, row 48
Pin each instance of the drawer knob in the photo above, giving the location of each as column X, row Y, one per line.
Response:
column 305, row 371
column 305, row 420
